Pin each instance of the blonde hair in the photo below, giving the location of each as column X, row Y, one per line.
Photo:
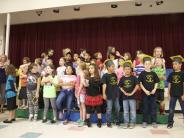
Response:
column 154, row 51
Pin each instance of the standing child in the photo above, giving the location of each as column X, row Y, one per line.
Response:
column 61, row 69
column 158, row 53
column 11, row 93
column 49, row 82
column 175, row 88
column 98, row 57
column 128, row 86
column 80, row 92
column 119, row 71
column 161, row 73
column 149, row 82
column 33, row 87
column 94, row 98
column 111, row 92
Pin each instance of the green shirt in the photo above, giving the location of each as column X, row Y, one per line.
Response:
column 49, row 90
column 160, row 73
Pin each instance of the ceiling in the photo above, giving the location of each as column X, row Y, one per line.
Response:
column 125, row 8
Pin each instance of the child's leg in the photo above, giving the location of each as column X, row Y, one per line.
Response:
column 10, row 114
column 126, row 111
column 172, row 105
column 13, row 114
column 181, row 105
column 153, row 109
column 30, row 103
column 69, row 104
column 53, row 104
column 145, row 108
column 117, row 108
column 109, row 110
column 132, row 111
column 35, row 106
column 88, row 112
column 46, row 107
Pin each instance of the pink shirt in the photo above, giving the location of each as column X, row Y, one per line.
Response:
column 119, row 73
column 77, row 85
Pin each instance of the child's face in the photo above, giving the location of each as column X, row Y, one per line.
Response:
column 78, row 61
column 49, row 70
column 86, row 56
column 75, row 57
column 158, row 62
column 121, row 61
column 69, row 70
column 49, row 62
column 51, row 53
column 93, row 62
column 111, row 68
column 113, row 50
column 34, row 69
column 61, row 62
column 126, row 57
column 176, row 66
column 147, row 64
column 25, row 62
column 158, row 52
column 127, row 70
column 68, row 57
column 99, row 56
column 91, row 69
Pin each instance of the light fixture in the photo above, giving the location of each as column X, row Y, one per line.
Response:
column 138, row 4
column 76, row 8
column 39, row 13
column 114, row 5
column 55, row 10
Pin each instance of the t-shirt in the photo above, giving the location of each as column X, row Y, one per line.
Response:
column 119, row 73
column 68, row 78
column 138, row 69
column 60, row 71
column 2, row 75
column 32, row 81
column 176, row 79
column 49, row 89
column 160, row 72
column 112, row 90
column 148, row 80
column 10, row 88
column 94, row 87
column 128, row 84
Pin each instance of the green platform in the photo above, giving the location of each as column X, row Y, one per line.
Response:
column 21, row 113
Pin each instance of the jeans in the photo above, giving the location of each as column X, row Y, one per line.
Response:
column 65, row 95
column 110, row 104
column 129, row 104
column 172, row 106
column 149, row 106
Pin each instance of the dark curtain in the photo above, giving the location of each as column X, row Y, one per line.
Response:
column 125, row 33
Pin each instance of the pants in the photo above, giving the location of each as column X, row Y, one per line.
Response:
column 46, row 107
column 65, row 95
column 2, row 93
column 129, row 104
column 110, row 104
column 172, row 106
column 149, row 106
column 33, row 105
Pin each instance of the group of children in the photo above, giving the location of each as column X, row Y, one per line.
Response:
column 89, row 83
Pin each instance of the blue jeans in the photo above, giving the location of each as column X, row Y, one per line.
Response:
column 129, row 104
column 65, row 95
column 110, row 104
column 172, row 106
column 149, row 107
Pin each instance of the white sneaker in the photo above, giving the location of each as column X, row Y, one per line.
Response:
column 30, row 117
column 35, row 117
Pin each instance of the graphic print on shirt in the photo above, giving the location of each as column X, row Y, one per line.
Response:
column 149, row 78
column 176, row 79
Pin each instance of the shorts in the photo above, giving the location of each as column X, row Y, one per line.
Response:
column 23, row 93
column 93, row 109
column 11, row 103
column 160, row 94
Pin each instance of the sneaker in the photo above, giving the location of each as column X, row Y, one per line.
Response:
column 7, row 121
column 99, row 124
column 65, row 122
column 78, row 121
column 60, row 116
column 44, row 120
column 132, row 125
column 125, row 126
column 13, row 120
column 30, row 117
column 53, row 121
column 88, row 122
column 117, row 123
column 144, row 124
column 82, row 123
column 35, row 117
column 154, row 125
column 109, row 125
column 169, row 126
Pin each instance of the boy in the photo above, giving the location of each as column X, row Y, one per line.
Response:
column 175, row 88
column 129, row 85
column 149, row 82
column 111, row 92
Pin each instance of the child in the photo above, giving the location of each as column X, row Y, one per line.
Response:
column 98, row 57
column 22, row 87
column 111, row 92
column 128, row 86
column 126, row 56
column 49, row 92
column 175, row 88
column 68, row 59
column 38, row 62
column 161, row 73
column 149, row 82
column 94, row 98
column 67, row 83
column 33, row 86
column 158, row 53
column 75, row 57
column 80, row 92
column 87, row 58
column 119, row 71
column 61, row 69
column 11, row 93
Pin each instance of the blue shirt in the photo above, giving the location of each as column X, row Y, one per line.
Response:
column 10, row 89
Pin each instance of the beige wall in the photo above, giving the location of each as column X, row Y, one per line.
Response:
column 2, row 34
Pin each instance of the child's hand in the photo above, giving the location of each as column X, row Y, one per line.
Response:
column 104, row 97
column 153, row 92
column 37, row 95
column 147, row 93
column 182, row 97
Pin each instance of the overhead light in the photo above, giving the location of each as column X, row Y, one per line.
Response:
column 55, row 10
column 138, row 3
column 39, row 13
column 114, row 5
column 76, row 8
column 159, row 2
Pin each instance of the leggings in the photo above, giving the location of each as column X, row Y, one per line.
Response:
column 46, row 107
column 33, row 104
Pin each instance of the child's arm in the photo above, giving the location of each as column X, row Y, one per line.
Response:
column 155, row 88
column 145, row 91
column 134, row 91
column 104, row 86
column 182, row 97
column 123, row 91
column 38, row 87
column 169, row 90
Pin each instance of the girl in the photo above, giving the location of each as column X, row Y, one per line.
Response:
column 67, row 83
column 11, row 93
column 93, row 100
column 49, row 92
column 120, row 71
column 38, row 62
column 80, row 92
column 22, row 87
column 33, row 86
column 112, row 54
column 98, row 57
column 127, row 56
column 158, row 53
column 61, row 69
column 75, row 57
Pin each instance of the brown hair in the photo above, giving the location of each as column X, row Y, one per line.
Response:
column 96, row 73
column 156, row 49
column 11, row 70
column 30, row 67
column 128, row 54
column 27, row 59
